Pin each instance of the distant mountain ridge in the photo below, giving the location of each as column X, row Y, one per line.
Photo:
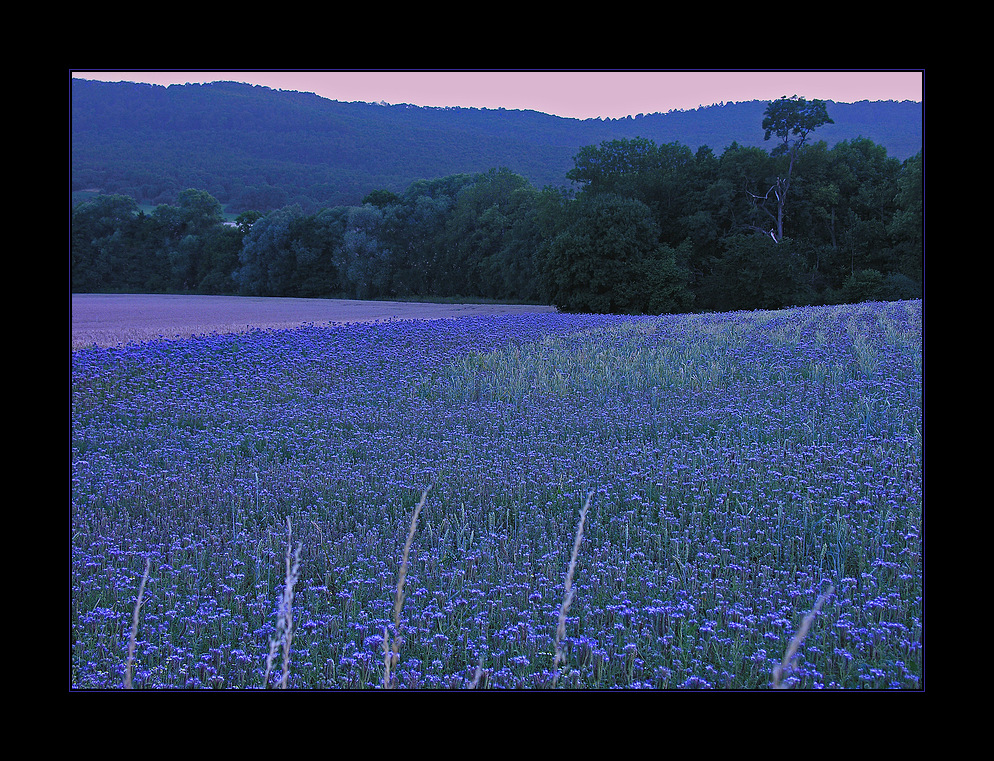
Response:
column 254, row 147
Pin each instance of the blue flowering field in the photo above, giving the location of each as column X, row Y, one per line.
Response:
column 754, row 482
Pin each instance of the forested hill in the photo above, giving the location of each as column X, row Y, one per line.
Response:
column 252, row 147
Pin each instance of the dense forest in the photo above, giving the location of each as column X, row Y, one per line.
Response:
column 254, row 148
column 647, row 227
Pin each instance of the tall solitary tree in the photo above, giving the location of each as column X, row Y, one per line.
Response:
column 784, row 118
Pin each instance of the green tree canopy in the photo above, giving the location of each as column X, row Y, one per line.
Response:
column 608, row 259
column 754, row 273
column 381, row 198
column 268, row 259
column 793, row 116
column 100, row 252
column 199, row 210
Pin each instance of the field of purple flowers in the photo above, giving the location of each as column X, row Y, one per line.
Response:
column 738, row 467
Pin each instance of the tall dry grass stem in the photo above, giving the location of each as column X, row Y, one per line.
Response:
column 391, row 651
column 784, row 668
column 478, row 675
column 568, row 595
column 284, row 622
column 134, row 626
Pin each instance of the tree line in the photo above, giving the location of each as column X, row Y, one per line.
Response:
column 649, row 228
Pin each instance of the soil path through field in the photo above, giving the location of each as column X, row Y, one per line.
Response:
column 112, row 319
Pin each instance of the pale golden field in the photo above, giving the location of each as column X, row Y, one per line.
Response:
column 112, row 319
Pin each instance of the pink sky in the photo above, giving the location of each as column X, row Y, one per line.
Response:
column 579, row 94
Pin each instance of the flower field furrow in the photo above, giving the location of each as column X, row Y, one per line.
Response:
column 738, row 466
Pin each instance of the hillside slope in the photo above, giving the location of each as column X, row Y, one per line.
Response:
column 253, row 147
